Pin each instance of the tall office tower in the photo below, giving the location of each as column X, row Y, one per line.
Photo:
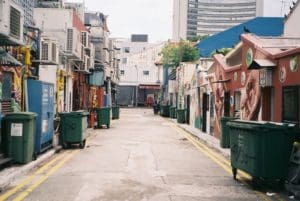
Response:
column 207, row 17
column 49, row 3
column 27, row 6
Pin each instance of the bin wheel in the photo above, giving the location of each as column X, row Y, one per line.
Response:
column 82, row 144
column 234, row 173
column 65, row 145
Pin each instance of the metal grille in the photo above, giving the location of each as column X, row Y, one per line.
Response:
column 15, row 23
column 45, row 53
column 53, row 52
column 70, row 40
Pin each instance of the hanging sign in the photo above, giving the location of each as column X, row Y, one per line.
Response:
column 294, row 64
column 249, row 57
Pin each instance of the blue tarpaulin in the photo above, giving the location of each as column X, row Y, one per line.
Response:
column 260, row 26
column 97, row 78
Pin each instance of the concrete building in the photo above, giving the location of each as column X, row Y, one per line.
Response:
column 291, row 28
column 203, row 17
column 140, row 77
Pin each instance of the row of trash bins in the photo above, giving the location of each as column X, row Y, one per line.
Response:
column 262, row 149
column 19, row 131
column 172, row 112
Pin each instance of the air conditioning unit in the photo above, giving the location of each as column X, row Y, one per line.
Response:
column 11, row 23
column 49, row 52
column 86, row 64
column 85, row 39
column 73, row 44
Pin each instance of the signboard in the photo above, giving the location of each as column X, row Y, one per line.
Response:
column 16, row 129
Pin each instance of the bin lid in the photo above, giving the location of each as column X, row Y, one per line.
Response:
column 259, row 124
column 20, row 115
column 75, row 113
column 103, row 108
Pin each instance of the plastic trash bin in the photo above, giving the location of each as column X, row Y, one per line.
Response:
column 225, row 137
column 115, row 112
column 73, row 126
column 181, row 116
column 19, row 131
column 165, row 110
column 173, row 112
column 261, row 149
column 103, row 117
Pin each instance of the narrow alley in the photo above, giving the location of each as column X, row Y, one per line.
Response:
column 141, row 157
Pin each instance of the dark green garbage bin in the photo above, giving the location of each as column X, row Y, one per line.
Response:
column 73, row 127
column 261, row 149
column 19, row 131
column 181, row 116
column 172, row 112
column 103, row 117
column 115, row 112
column 165, row 110
column 225, row 137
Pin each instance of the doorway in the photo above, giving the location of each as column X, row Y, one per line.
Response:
column 204, row 111
column 227, row 104
column 188, row 102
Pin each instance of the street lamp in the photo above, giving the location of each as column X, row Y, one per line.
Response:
column 136, row 87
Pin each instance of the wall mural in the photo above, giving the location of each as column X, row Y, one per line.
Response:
column 251, row 95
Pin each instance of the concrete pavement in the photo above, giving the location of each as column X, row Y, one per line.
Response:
column 141, row 157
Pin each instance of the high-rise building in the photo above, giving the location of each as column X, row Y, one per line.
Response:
column 207, row 17
column 28, row 6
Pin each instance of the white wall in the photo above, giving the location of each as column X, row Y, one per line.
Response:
column 140, row 62
column 291, row 26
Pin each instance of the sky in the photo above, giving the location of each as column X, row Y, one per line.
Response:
column 152, row 17
column 126, row 17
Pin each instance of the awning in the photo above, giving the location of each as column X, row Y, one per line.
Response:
column 8, row 60
column 261, row 63
column 154, row 87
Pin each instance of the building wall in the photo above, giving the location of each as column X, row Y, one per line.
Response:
column 291, row 26
column 179, row 19
column 139, row 62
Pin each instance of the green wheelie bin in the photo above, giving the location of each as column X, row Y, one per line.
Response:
column 73, row 126
column 181, row 116
column 261, row 149
column 165, row 110
column 173, row 112
column 19, row 130
column 225, row 137
column 115, row 112
column 103, row 117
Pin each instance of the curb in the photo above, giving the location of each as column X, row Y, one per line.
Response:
column 205, row 138
column 10, row 174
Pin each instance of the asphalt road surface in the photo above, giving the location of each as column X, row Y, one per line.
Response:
column 142, row 157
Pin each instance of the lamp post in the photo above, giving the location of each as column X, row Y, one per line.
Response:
column 136, row 87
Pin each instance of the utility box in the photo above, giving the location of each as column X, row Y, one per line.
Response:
column 41, row 101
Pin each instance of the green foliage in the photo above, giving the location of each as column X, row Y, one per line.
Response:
column 174, row 53
column 223, row 51
column 198, row 38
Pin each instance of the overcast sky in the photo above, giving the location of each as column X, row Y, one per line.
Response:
column 152, row 17
column 126, row 17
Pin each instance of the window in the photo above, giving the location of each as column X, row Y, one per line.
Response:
column 126, row 49
column 290, row 104
column 237, row 103
column 145, row 72
column 124, row 60
column 122, row 72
